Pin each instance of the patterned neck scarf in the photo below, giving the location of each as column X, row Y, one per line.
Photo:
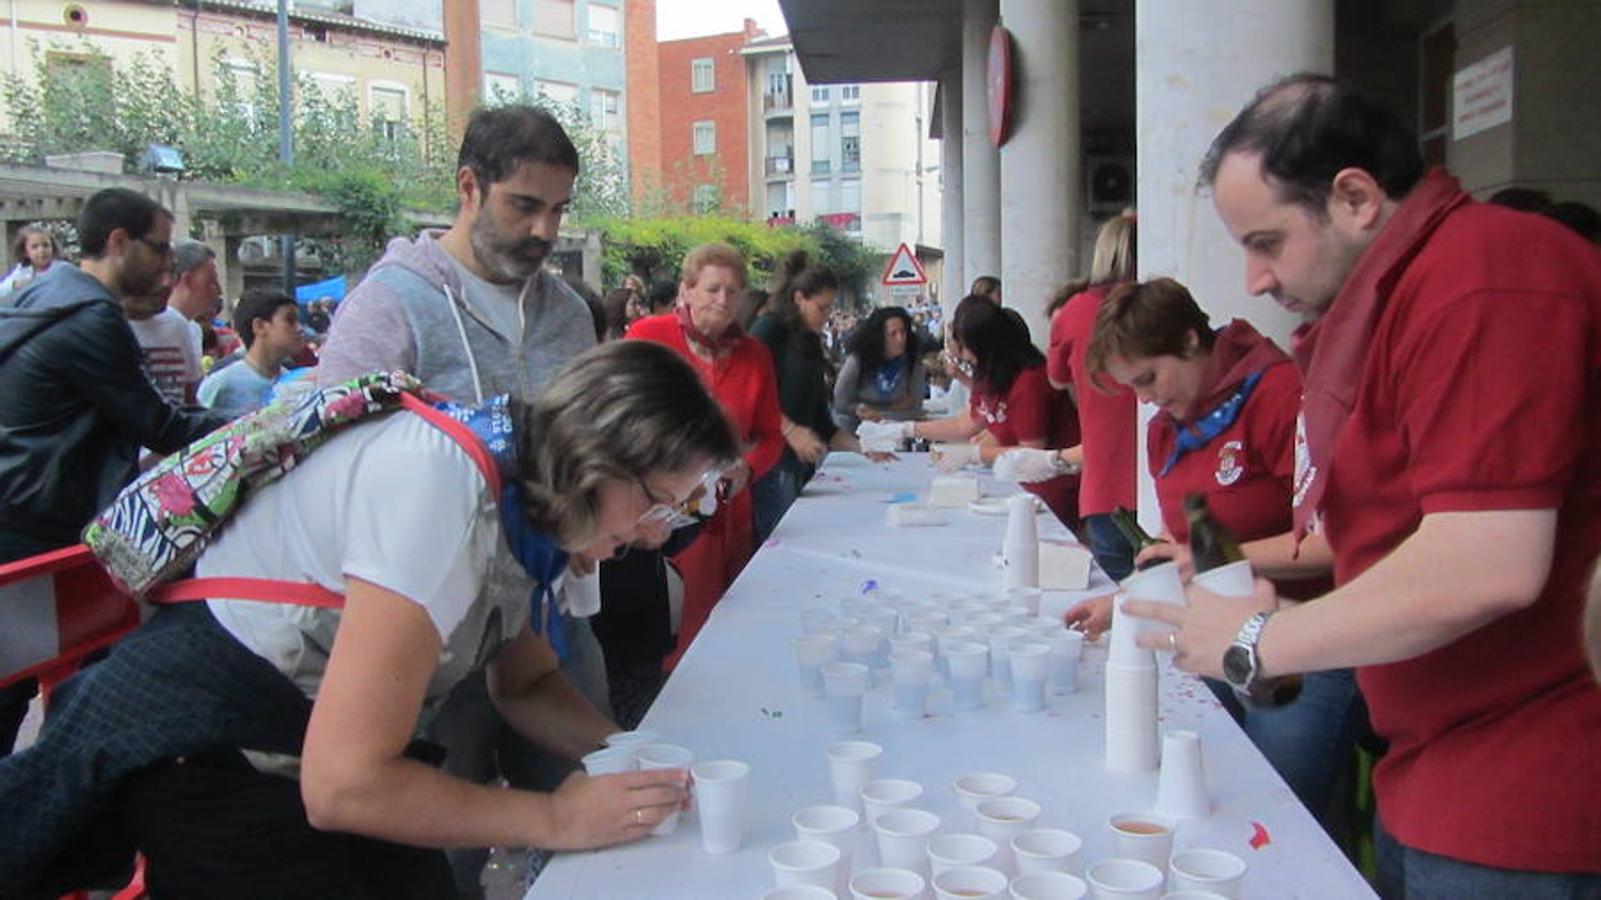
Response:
column 538, row 553
column 1199, row 433
column 888, row 376
column 721, row 345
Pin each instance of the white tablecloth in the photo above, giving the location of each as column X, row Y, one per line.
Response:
column 736, row 695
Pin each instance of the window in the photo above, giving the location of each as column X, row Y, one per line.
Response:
column 851, row 93
column 705, row 198
column 335, row 89
column 850, row 142
column 820, row 95
column 702, row 77
column 603, row 25
column 387, row 107
column 705, row 138
column 604, row 109
column 242, row 73
column 498, row 13
column 850, row 196
column 555, row 94
column 554, row 18
column 502, row 88
column 821, row 145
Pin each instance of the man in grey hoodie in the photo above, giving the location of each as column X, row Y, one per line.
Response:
column 470, row 311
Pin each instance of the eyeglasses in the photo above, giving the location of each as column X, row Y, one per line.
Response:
column 163, row 249
column 677, row 515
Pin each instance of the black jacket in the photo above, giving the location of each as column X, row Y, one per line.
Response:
column 75, row 407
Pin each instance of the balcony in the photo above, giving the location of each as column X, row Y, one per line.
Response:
column 781, row 166
column 775, row 103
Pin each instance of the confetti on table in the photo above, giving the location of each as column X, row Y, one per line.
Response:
column 772, row 713
column 1259, row 838
column 869, row 586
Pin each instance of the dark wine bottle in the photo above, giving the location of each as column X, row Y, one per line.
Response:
column 1136, row 536
column 1212, row 547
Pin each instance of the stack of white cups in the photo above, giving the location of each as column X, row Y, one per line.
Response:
column 1131, row 698
column 1021, row 550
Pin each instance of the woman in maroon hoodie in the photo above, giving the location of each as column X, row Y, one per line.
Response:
column 1227, row 403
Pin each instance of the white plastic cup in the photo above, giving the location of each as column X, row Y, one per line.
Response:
column 1020, row 564
column 844, row 683
column 1047, row 850
column 664, row 756
column 582, row 594
column 969, row 882
column 817, row 620
column 887, row 884
column 966, row 661
column 975, row 787
column 1067, row 648
column 1124, row 879
column 1031, row 663
column 1181, row 786
column 943, row 638
column 1232, row 580
column 812, row 652
column 911, row 640
column 1206, row 870
column 860, row 643
column 611, row 760
column 800, row 892
column 1132, row 734
column 911, row 671
column 1142, row 836
column 1160, row 583
column 1002, row 818
column 885, row 794
column 949, row 851
column 1001, row 637
column 1192, row 895
column 1122, row 649
column 720, row 789
column 851, row 765
column 903, row 836
column 805, row 862
column 637, row 736
column 1048, row 886
column 833, row 825
column 1026, row 597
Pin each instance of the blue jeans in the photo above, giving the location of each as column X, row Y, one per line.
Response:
column 773, row 493
column 1409, row 874
column 1112, row 551
column 1308, row 742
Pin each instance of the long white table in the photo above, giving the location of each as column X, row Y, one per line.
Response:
column 736, row 694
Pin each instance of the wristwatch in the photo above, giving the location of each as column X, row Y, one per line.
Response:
column 1242, row 665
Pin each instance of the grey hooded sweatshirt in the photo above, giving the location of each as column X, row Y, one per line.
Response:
column 413, row 313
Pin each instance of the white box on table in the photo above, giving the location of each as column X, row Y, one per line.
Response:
column 1064, row 566
column 953, row 490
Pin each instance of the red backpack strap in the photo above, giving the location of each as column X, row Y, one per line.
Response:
column 462, row 435
column 267, row 590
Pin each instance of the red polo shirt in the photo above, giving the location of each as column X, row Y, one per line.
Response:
column 1246, row 472
column 1481, row 390
column 1032, row 410
column 1108, row 420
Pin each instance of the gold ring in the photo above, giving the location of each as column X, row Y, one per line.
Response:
column 639, row 815
column 1173, row 641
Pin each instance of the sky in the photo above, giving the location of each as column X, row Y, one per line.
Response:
column 679, row 19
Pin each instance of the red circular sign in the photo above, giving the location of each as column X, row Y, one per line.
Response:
column 1002, row 89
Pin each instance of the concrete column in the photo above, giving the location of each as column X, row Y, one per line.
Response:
column 981, row 160
column 1191, row 78
column 954, row 285
column 1041, row 194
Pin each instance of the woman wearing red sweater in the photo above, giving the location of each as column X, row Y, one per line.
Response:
column 738, row 370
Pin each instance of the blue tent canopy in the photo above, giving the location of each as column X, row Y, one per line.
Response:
column 333, row 288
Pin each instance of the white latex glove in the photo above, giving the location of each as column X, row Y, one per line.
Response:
column 882, row 437
column 950, row 458
column 1026, row 465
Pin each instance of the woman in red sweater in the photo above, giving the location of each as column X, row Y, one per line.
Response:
column 738, row 370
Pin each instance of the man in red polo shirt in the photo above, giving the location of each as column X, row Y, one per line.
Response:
column 1450, row 451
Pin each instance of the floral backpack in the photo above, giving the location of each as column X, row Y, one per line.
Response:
column 157, row 526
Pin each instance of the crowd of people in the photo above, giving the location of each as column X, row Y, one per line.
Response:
column 1416, row 481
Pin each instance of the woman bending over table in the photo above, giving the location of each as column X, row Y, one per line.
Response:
column 255, row 749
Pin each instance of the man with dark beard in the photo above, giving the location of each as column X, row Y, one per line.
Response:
column 76, row 402
column 470, row 312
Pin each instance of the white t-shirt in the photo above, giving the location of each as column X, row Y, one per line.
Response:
column 395, row 502
column 501, row 305
column 171, row 357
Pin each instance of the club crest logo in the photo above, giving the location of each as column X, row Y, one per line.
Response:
column 1230, row 463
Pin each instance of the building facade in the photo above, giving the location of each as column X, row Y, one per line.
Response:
column 705, row 147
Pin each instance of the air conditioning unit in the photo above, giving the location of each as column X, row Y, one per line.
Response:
column 1109, row 184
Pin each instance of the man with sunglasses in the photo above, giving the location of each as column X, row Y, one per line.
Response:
column 76, row 403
